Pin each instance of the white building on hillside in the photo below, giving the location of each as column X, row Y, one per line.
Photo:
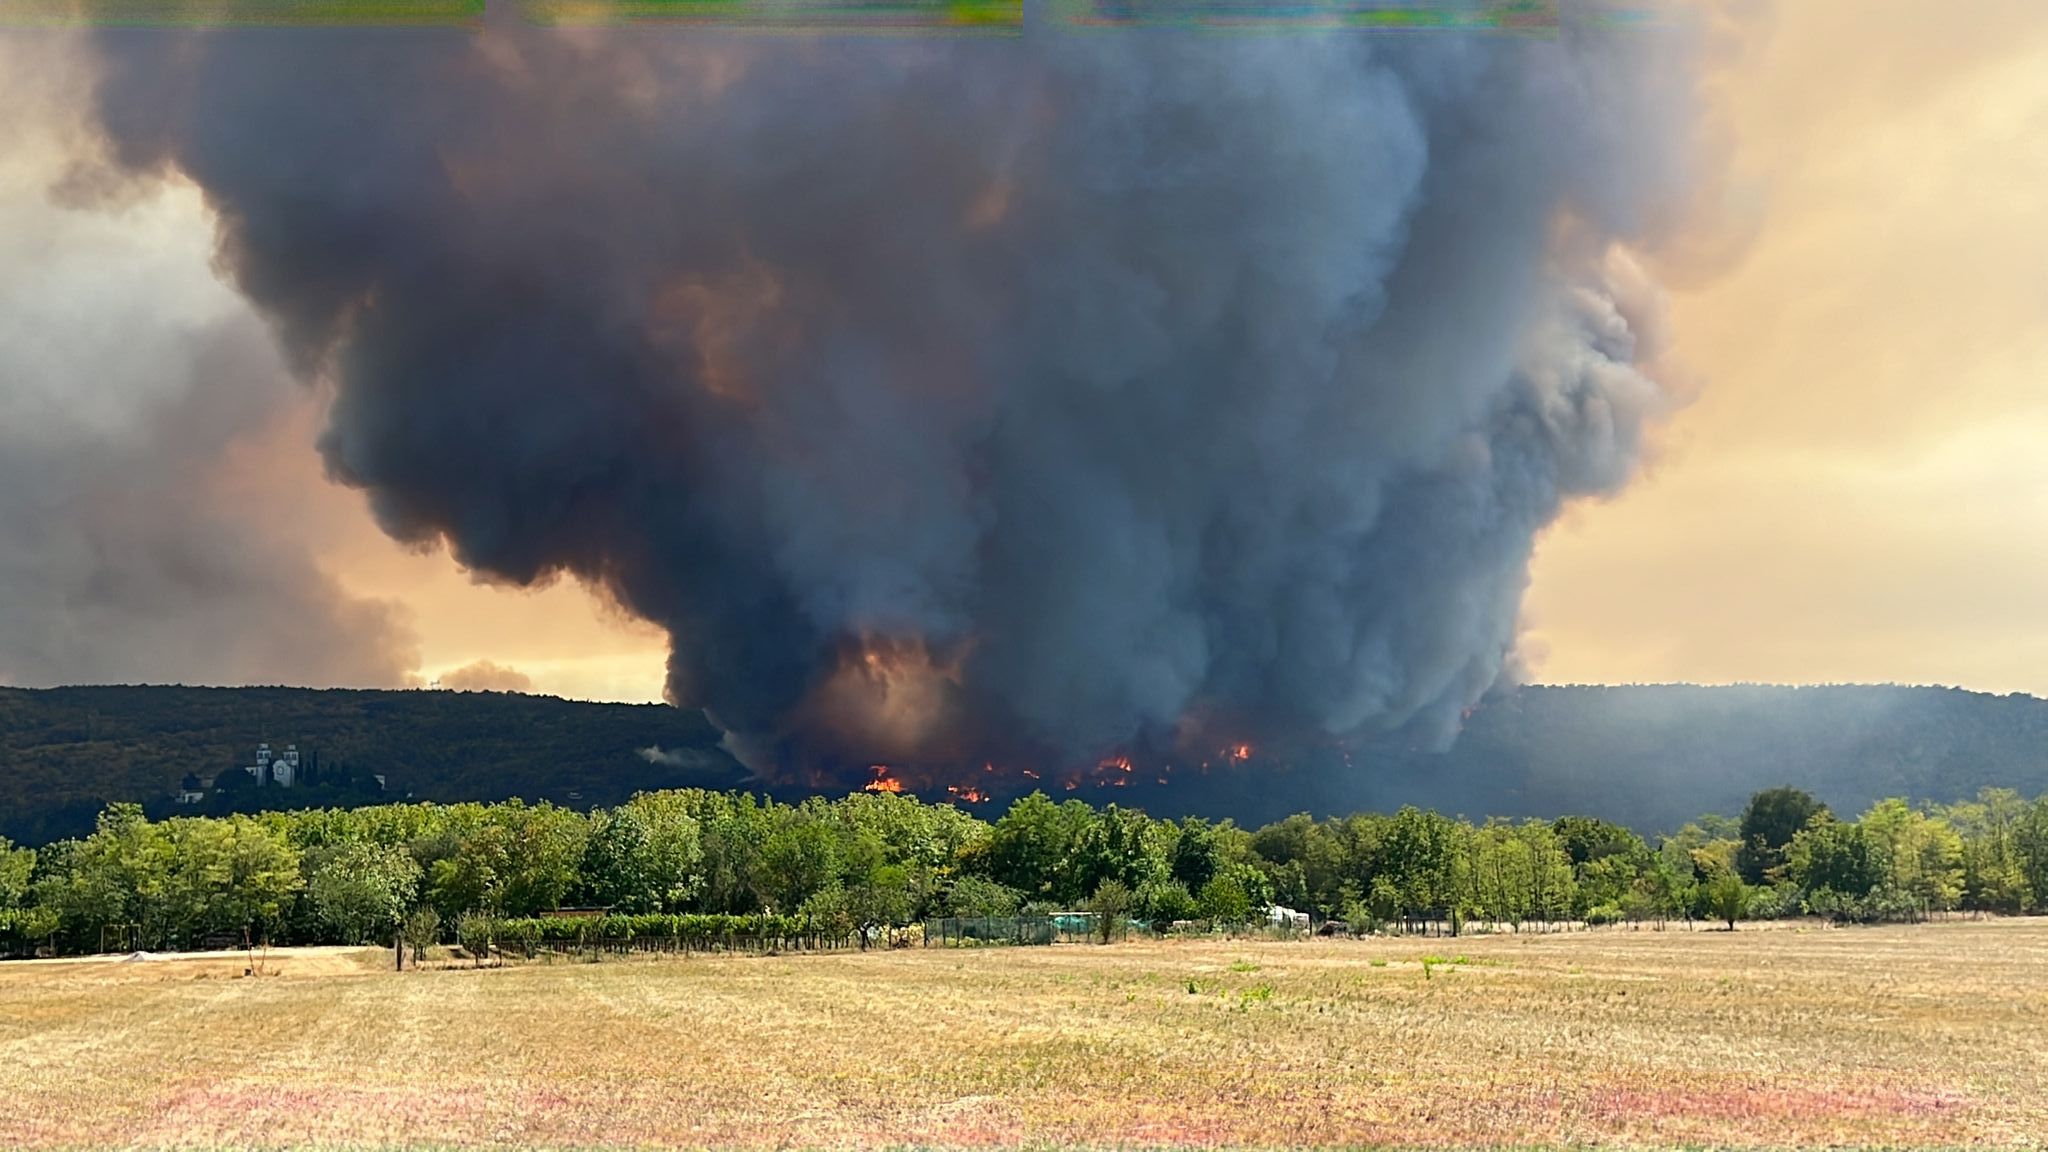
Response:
column 282, row 768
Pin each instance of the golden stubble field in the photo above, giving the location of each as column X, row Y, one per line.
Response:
column 1934, row 1035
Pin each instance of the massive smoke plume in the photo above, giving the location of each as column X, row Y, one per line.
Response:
column 1023, row 400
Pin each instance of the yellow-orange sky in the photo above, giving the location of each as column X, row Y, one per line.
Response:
column 564, row 640
column 1860, row 490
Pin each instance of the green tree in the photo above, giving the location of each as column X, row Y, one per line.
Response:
column 1727, row 898
column 543, row 850
column 799, row 860
column 1835, row 855
column 1121, row 844
column 734, row 830
column 1164, row 900
column 1307, row 862
column 2030, row 845
column 1923, row 856
column 1994, row 873
column 1032, row 847
column 1111, row 906
column 1661, row 891
column 879, row 899
column 467, row 881
column 1501, row 868
column 1774, row 816
column 17, row 865
column 980, row 896
column 1552, row 889
column 475, row 931
column 362, row 891
column 227, row 875
column 643, row 856
column 1420, row 856
column 1197, row 852
column 117, row 876
column 1232, row 894
column 1586, row 840
column 422, row 930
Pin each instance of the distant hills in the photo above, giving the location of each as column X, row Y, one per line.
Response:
column 1656, row 756
column 65, row 752
column 1651, row 756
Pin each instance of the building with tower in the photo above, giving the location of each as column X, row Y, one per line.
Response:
column 281, row 768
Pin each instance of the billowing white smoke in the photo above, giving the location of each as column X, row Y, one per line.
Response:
column 948, row 399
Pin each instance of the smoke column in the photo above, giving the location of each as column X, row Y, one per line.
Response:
column 948, row 400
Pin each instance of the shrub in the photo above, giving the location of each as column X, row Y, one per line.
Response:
column 1604, row 914
column 1163, row 902
column 1728, row 898
column 474, row 932
column 980, row 896
column 1229, row 895
column 1775, row 902
column 1111, row 904
column 422, row 930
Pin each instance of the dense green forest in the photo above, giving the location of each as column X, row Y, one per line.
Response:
column 697, row 862
column 1649, row 757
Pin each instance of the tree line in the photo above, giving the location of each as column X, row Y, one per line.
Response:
column 698, row 861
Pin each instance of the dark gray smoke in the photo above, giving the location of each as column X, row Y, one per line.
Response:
column 961, row 399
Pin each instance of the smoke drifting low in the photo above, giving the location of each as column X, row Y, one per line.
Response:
column 947, row 401
column 486, row 676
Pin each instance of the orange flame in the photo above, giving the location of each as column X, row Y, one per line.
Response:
column 884, row 780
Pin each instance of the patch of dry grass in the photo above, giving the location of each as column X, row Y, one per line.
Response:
column 1925, row 1036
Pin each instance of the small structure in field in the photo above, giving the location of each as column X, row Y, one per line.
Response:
column 1287, row 918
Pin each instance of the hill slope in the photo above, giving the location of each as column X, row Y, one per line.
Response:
column 64, row 752
column 1651, row 756
column 1655, row 756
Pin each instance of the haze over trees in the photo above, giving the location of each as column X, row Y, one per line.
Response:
column 1648, row 757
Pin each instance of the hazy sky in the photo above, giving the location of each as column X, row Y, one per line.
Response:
column 1857, row 492
column 1860, row 489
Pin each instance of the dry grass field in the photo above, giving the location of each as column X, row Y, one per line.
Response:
column 1915, row 1036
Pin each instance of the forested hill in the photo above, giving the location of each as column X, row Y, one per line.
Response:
column 1656, row 756
column 64, row 752
column 1650, row 757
